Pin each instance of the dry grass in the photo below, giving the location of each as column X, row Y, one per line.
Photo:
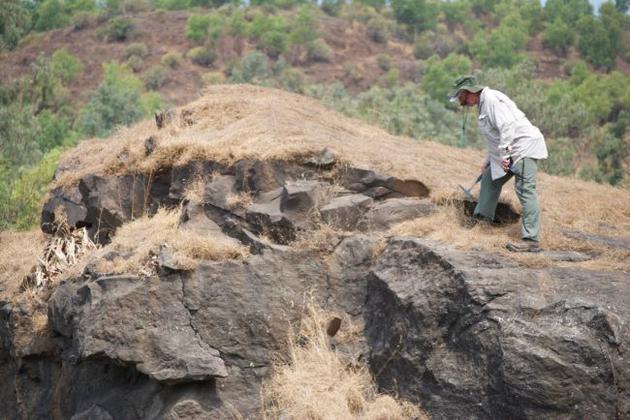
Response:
column 318, row 384
column 232, row 122
column 18, row 255
column 136, row 242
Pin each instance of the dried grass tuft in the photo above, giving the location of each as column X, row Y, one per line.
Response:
column 18, row 252
column 317, row 383
column 138, row 241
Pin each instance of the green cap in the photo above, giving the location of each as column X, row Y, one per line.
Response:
column 464, row 83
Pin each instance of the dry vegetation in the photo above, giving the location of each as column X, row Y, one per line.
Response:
column 18, row 254
column 272, row 124
column 135, row 245
column 317, row 383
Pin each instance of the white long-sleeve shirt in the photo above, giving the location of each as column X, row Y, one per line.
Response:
column 508, row 132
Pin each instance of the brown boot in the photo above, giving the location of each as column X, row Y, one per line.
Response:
column 524, row 246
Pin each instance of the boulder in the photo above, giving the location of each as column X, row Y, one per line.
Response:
column 361, row 180
column 267, row 219
column 345, row 212
column 123, row 319
column 384, row 214
column 468, row 332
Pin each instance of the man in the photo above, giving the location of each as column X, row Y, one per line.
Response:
column 514, row 147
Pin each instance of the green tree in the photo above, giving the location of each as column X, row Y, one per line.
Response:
column 418, row 14
column 558, row 36
column 65, row 66
column 622, row 5
column 594, row 43
column 502, row 46
column 568, row 11
column 115, row 102
column 51, row 14
column 15, row 22
column 439, row 75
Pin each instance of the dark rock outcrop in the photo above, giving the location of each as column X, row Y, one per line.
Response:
column 469, row 333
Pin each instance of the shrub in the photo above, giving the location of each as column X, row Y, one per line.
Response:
column 419, row 14
column 204, row 56
column 331, row 7
column 501, row 47
column 197, row 27
column 319, row 51
column 65, row 66
column 134, row 6
column 172, row 4
column 293, row 80
column 171, row 59
column 51, row 14
column 213, row 78
column 384, row 61
column 151, row 102
column 155, row 77
column 377, row 29
column 138, row 49
column 84, row 19
column 254, row 67
column 439, row 75
column 274, row 43
column 558, row 36
column 562, row 155
column 116, row 101
column 16, row 22
column 120, row 29
column 135, row 63
column 391, row 78
column 422, row 48
column 305, row 30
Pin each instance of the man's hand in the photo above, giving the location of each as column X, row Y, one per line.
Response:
column 505, row 164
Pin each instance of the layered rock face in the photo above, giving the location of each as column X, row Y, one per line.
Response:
column 464, row 334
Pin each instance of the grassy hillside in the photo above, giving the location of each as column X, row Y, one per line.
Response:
column 71, row 70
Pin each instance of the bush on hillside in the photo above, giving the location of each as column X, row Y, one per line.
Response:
column 254, row 67
column 151, row 103
column 203, row 56
column 51, row 14
column 384, row 61
column 116, row 101
column 274, row 43
column 155, row 77
column 138, row 49
column 213, row 78
column 135, row 63
column 65, row 66
column 501, row 47
column 84, row 19
column 15, row 22
column 558, row 36
column 197, row 27
column 119, row 29
column 332, row 7
column 439, row 75
column 304, row 31
column 319, row 51
column 422, row 47
column 418, row 14
column 172, row 4
column 171, row 59
column 293, row 80
column 377, row 29
column 568, row 11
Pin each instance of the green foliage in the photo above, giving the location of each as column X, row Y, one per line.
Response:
column 319, row 51
column 51, row 14
column 622, row 6
column 237, row 24
column 568, row 11
column 384, row 61
column 197, row 27
column 558, row 36
column 610, row 152
column 138, row 49
column 151, row 102
column 65, row 66
column 422, row 48
column 377, row 29
column 562, row 157
column 274, row 43
column 171, row 59
column 293, row 80
column 439, row 75
column 18, row 129
column 204, row 56
column 135, row 63
column 601, row 38
column 332, row 7
column 455, row 11
column 501, row 47
column 53, row 131
column 172, row 4
column 155, row 77
column 84, row 19
column 418, row 14
column 304, row 31
column 115, row 102
column 253, row 68
column 377, row 4
column 15, row 22
column 26, row 194
column 120, row 29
